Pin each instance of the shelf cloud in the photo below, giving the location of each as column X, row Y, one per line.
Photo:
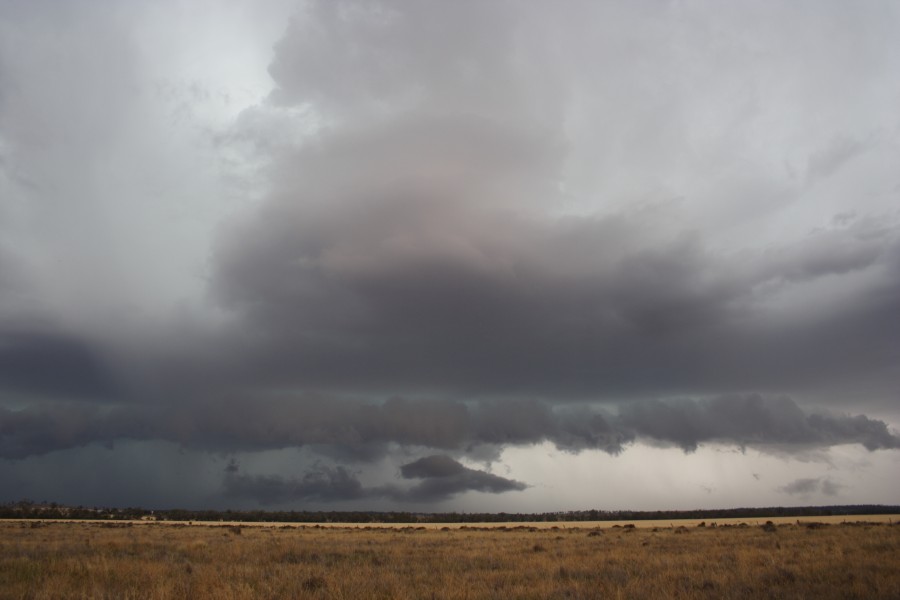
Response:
column 369, row 430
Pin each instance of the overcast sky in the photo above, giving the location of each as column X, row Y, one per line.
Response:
column 431, row 255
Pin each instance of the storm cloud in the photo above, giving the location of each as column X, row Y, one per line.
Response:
column 444, row 477
column 438, row 295
column 422, row 241
column 752, row 419
column 53, row 364
column 428, row 233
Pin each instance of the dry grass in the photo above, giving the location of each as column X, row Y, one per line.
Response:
column 831, row 519
column 93, row 560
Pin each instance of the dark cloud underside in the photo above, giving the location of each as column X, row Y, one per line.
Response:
column 367, row 430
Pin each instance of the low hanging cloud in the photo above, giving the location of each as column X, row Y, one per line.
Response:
column 442, row 478
column 366, row 431
column 325, row 484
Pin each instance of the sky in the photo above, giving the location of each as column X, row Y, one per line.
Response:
column 471, row 256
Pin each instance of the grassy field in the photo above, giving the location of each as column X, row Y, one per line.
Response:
column 116, row 560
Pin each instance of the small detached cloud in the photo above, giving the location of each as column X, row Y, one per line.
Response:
column 808, row 486
column 444, row 477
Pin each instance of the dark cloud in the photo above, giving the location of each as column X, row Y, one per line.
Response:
column 437, row 465
column 323, row 484
column 40, row 429
column 365, row 431
column 443, row 478
column 53, row 364
column 428, row 289
column 572, row 428
column 751, row 420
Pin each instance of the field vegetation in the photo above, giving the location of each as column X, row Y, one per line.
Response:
column 43, row 560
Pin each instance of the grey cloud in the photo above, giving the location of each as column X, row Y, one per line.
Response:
column 527, row 421
column 832, row 157
column 12, row 299
column 831, row 488
column 365, row 431
column 519, row 223
column 56, row 121
column 442, row 477
column 40, row 429
column 362, row 429
column 52, row 364
column 751, row 420
column 352, row 58
column 807, row 486
column 435, row 288
column 801, row 486
column 322, row 484
column 418, row 242
column 437, row 465
column 325, row 420
column 833, row 252
column 445, row 477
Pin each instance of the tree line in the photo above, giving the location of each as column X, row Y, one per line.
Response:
column 27, row 509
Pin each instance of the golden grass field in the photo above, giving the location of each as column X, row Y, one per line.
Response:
column 155, row 560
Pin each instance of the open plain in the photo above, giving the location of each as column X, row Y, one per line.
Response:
column 805, row 559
